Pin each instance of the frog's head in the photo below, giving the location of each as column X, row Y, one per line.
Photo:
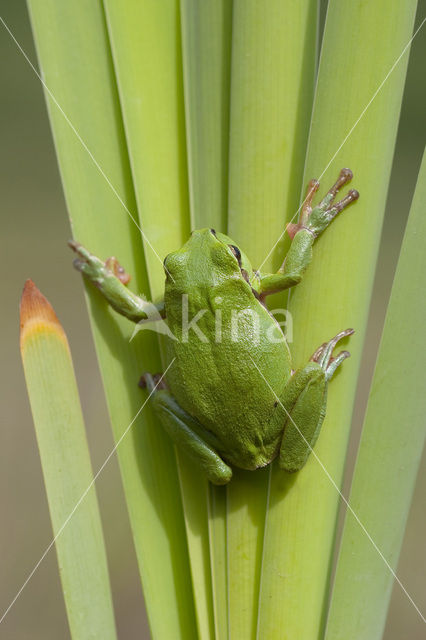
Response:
column 206, row 259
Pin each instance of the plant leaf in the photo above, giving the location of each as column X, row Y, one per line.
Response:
column 146, row 46
column 67, row 471
column 74, row 53
column 272, row 84
column 206, row 46
column 206, row 43
column 335, row 294
column 391, row 444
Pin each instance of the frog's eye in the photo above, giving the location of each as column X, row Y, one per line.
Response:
column 237, row 253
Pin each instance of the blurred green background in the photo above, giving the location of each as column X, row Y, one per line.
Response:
column 34, row 231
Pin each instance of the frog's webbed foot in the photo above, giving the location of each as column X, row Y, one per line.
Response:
column 94, row 268
column 316, row 219
column 324, row 354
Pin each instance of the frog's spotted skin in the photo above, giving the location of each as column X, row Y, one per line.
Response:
column 215, row 406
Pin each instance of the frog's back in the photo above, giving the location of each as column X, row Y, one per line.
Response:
column 215, row 378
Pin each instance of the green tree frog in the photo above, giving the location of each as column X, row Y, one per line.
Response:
column 215, row 405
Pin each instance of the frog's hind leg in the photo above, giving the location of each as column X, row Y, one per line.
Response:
column 188, row 434
column 304, row 402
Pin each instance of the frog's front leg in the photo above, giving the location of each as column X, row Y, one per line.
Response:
column 110, row 278
column 188, row 434
column 313, row 221
column 304, row 402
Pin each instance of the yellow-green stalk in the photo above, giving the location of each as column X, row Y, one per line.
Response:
column 392, row 441
column 75, row 57
column 272, row 82
column 147, row 52
column 206, row 50
column 362, row 41
column 67, row 471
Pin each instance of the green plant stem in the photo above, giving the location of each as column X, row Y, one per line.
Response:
column 390, row 449
column 67, row 470
column 206, row 43
column 272, row 82
column 146, row 46
column 218, row 559
column 195, row 497
column 206, row 46
column 68, row 35
column 146, row 39
column 335, row 294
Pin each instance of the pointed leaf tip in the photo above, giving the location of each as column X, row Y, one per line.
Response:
column 36, row 312
column 34, row 305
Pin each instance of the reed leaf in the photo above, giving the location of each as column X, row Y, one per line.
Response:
column 335, row 294
column 67, row 471
column 206, row 45
column 206, row 48
column 392, row 440
column 272, row 83
column 147, row 45
column 219, row 559
column 74, row 53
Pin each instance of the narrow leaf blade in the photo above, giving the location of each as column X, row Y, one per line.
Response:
column 391, row 444
column 206, row 48
column 89, row 137
column 206, row 44
column 67, row 470
column 335, row 294
column 272, row 84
